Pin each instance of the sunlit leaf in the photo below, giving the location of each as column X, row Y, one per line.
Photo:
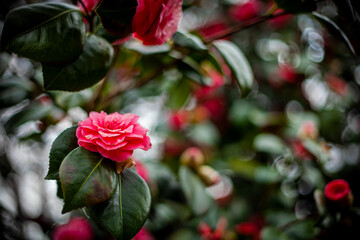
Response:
column 237, row 62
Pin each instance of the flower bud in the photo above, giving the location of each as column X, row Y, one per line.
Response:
column 208, row 175
column 192, row 157
column 338, row 193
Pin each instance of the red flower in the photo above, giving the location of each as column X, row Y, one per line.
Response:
column 218, row 233
column 280, row 21
column 89, row 4
column 114, row 136
column 155, row 21
column 142, row 170
column 143, row 234
column 245, row 11
column 299, row 150
column 76, row 228
column 251, row 228
column 179, row 119
column 336, row 84
column 212, row 29
column 287, row 73
column 338, row 191
column 308, row 130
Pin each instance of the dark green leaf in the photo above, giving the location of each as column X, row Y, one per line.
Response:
column 197, row 197
column 179, row 94
column 237, row 62
column 61, row 147
column 297, row 6
column 91, row 66
column 48, row 32
column 126, row 211
column 86, row 179
column 334, row 29
column 116, row 16
column 189, row 41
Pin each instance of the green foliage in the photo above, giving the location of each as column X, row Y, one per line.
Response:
column 60, row 148
column 49, row 33
column 125, row 212
column 197, row 197
column 86, row 179
column 89, row 68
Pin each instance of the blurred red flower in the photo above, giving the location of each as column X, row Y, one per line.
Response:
column 76, row 228
column 245, row 10
column 338, row 191
column 155, row 21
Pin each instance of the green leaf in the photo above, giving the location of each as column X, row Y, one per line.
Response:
column 269, row 143
column 86, row 179
column 48, row 32
column 116, row 16
column 297, row 6
column 334, row 29
column 179, row 94
column 189, row 41
column 61, row 147
column 237, row 62
column 197, row 197
column 91, row 66
column 126, row 211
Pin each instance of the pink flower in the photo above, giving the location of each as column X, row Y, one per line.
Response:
column 338, row 191
column 287, row 73
column 207, row 233
column 89, row 4
column 245, row 11
column 143, row 234
column 142, row 170
column 114, row 136
column 179, row 119
column 76, row 228
column 308, row 130
column 155, row 21
column 251, row 228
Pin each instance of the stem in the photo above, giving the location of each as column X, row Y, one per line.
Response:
column 83, row 5
column 240, row 27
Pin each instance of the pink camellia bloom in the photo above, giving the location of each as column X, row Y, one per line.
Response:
column 89, row 4
column 245, row 10
column 155, row 21
column 143, row 234
column 338, row 191
column 114, row 136
column 76, row 228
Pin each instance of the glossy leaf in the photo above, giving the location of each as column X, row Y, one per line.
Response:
column 334, row 29
column 126, row 211
column 297, row 6
column 48, row 32
column 189, row 41
column 86, row 179
column 61, row 147
column 179, row 94
column 91, row 66
column 116, row 16
column 269, row 143
column 197, row 197
column 237, row 62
